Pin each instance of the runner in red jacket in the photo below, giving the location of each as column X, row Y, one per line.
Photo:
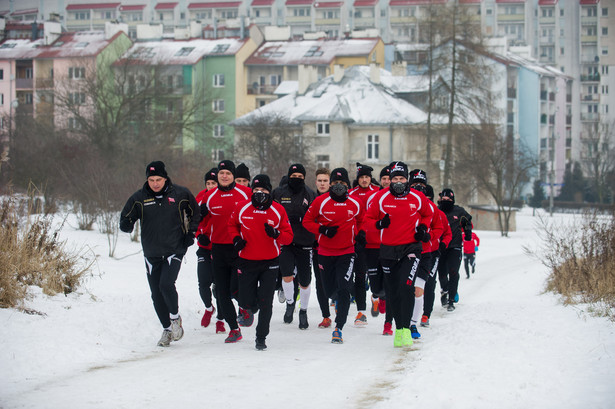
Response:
column 437, row 244
column 335, row 219
column 217, row 206
column 362, row 193
column 259, row 227
column 205, row 272
column 469, row 253
column 403, row 217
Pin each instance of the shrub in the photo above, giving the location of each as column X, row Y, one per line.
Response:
column 32, row 254
column 581, row 259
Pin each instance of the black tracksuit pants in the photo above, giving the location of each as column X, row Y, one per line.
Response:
column 223, row 259
column 337, row 280
column 448, row 272
column 162, row 274
column 257, row 282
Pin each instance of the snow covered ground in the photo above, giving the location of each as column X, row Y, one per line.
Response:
column 507, row 345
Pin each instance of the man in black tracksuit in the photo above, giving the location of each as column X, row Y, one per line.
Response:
column 169, row 218
column 296, row 197
column 450, row 259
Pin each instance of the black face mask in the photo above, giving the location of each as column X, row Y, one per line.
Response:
column 419, row 188
column 261, row 200
column 338, row 192
column 399, row 188
column 446, row 205
column 296, row 184
column 226, row 188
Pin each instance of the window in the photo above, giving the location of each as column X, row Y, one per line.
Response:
column 73, row 123
column 220, row 48
column 184, row 51
column 218, row 105
column 76, row 98
column 605, row 12
column 372, row 147
column 322, row 161
column 605, row 70
column 1, row 74
column 76, row 72
column 218, row 131
column 1, row 99
column 218, row 80
column 322, row 128
column 561, row 12
column 561, row 50
column 275, row 79
column 605, row 51
column 605, row 31
column 217, row 155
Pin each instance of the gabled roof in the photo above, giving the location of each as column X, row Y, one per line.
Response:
column 262, row 3
column 355, row 99
column 365, row 3
column 132, row 7
column 165, row 6
column 415, row 2
column 92, row 6
column 214, row 5
column 328, row 4
column 312, row 52
column 299, row 2
column 19, row 49
column 547, row 2
column 77, row 44
column 179, row 52
column 24, row 12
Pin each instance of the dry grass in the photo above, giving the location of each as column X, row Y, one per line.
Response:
column 581, row 257
column 32, row 254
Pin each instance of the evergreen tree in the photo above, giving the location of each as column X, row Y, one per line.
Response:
column 538, row 195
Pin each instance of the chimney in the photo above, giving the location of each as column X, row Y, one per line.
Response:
column 304, row 79
column 338, row 72
column 399, row 69
column 374, row 73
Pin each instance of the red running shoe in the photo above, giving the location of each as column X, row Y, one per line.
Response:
column 206, row 320
column 387, row 329
column 233, row 336
column 382, row 306
column 220, row 327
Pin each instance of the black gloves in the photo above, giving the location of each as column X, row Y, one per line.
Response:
column 204, row 210
column 126, row 225
column 295, row 219
column 204, row 240
column 360, row 241
column 328, row 231
column 188, row 239
column 239, row 243
column 384, row 222
column 271, row 232
column 442, row 247
column 421, row 234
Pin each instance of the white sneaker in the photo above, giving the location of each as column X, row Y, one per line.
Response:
column 165, row 339
column 281, row 297
column 176, row 329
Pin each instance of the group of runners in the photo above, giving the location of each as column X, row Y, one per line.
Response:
column 385, row 238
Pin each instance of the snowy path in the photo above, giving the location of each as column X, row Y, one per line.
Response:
column 506, row 346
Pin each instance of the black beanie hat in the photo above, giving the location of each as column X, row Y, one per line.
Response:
column 448, row 193
column 340, row 174
column 156, row 168
column 296, row 168
column 386, row 171
column 418, row 176
column 429, row 191
column 212, row 174
column 364, row 170
column 399, row 169
column 261, row 181
column 227, row 165
column 242, row 171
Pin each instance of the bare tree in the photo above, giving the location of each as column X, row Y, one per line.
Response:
column 599, row 161
column 272, row 142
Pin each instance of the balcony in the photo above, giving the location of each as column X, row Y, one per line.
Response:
column 512, row 93
column 262, row 89
column 590, row 98
column 590, row 117
column 548, row 40
column 546, row 20
column 24, row 83
column 589, row 21
column 590, row 77
column 299, row 20
column 327, row 21
column 589, row 39
column 403, row 20
column 543, row 95
column 509, row 18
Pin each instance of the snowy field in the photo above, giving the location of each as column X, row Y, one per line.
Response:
column 507, row 345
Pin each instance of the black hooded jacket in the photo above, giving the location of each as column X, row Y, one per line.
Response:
column 162, row 216
column 457, row 219
column 296, row 204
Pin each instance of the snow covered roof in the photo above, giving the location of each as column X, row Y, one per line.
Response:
column 68, row 45
column 312, row 52
column 405, row 84
column 355, row 99
column 287, row 87
column 531, row 64
column 179, row 52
